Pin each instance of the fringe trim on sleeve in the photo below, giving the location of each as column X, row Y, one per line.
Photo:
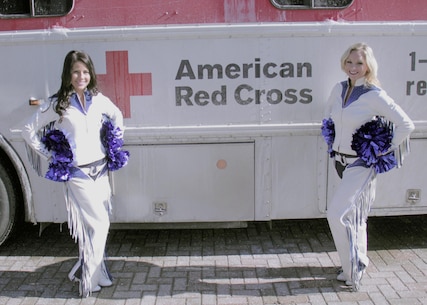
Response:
column 402, row 151
column 355, row 217
column 34, row 159
column 34, row 156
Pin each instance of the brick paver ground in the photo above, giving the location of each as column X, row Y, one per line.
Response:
column 291, row 262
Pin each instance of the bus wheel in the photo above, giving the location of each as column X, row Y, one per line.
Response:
column 9, row 205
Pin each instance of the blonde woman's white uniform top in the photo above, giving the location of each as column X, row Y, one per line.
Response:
column 360, row 108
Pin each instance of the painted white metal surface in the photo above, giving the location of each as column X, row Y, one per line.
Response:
column 186, row 183
column 259, row 99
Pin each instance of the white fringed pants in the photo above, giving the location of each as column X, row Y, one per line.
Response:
column 344, row 205
column 88, row 206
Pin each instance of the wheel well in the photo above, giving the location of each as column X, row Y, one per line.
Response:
column 12, row 171
column 14, row 199
column 11, row 160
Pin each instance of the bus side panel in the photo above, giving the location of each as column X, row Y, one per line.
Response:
column 295, row 177
column 186, row 183
column 48, row 196
column 101, row 13
column 193, row 87
column 399, row 189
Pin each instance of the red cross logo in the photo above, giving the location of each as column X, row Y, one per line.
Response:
column 119, row 85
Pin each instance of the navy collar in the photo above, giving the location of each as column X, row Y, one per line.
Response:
column 74, row 100
column 359, row 89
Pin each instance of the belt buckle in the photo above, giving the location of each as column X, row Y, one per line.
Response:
column 93, row 170
column 343, row 160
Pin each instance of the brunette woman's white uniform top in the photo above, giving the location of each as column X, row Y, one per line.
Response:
column 362, row 105
column 88, row 192
column 81, row 127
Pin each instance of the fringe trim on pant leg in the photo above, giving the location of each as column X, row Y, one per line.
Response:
column 355, row 217
column 79, row 229
column 80, row 234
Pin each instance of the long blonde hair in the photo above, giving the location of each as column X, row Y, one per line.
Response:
column 371, row 75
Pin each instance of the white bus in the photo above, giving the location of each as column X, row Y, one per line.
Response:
column 223, row 102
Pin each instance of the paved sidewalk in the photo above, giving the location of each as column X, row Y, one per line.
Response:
column 294, row 262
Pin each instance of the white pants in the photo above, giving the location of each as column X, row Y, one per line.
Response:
column 354, row 179
column 88, row 205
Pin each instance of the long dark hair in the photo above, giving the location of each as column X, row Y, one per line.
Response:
column 64, row 93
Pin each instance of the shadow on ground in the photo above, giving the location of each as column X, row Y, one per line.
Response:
column 136, row 278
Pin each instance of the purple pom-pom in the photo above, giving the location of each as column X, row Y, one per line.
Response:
column 60, row 168
column 328, row 133
column 112, row 140
column 371, row 141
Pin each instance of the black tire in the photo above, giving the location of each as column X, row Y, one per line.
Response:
column 10, row 205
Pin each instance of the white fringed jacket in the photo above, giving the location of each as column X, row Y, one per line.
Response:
column 362, row 106
column 80, row 126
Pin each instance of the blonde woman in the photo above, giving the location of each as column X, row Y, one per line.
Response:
column 353, row 103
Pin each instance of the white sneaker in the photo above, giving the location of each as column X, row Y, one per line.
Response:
column 350, row 282
column 97, row 288
column 71, row 275
column 341, row 277
column 104, row 282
